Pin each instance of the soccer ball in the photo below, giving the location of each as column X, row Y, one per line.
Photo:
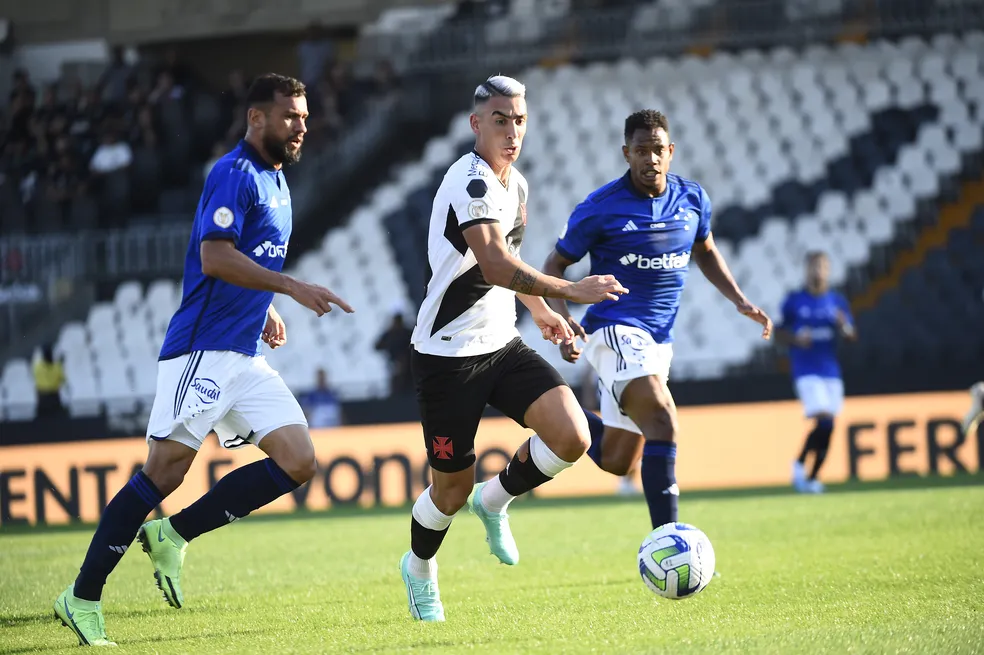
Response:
column 676, row 560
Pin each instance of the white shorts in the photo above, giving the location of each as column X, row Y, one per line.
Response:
column 618, row 354
column 820, row 395
column 239, row 397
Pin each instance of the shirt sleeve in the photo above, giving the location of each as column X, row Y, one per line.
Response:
column 845, row 307
column 233, row 194
column 472, row 203
column 704, row 223
column 580, row 233
column 787, row 314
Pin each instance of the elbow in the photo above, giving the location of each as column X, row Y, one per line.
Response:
column 495, row 270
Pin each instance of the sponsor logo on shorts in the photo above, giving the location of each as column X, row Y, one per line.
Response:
column 206, row 389
column 666, row 261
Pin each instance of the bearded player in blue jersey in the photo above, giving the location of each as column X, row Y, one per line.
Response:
column 813, row 320
column 211, row 375
column 644, row 227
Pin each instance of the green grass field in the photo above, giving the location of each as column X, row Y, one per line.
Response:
column 895, row 568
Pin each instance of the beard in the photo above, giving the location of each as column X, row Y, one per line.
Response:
column 280, row 150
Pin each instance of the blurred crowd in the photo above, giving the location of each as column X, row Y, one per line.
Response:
column 73, row 156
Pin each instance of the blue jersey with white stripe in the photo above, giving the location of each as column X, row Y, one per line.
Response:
column 816, row 316
column 246, row 201
column 645, row 243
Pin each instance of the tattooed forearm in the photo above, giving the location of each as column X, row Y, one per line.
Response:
column 523, row 282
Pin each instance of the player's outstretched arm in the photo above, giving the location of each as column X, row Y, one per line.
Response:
column 715, row 269
column 502, row 269
column 221, row 260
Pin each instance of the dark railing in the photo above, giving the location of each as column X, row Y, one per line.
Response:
column 94, row 255
column 637, row 30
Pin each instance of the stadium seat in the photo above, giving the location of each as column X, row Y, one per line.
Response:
column 834, row 147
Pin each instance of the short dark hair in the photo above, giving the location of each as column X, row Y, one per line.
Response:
column 646, row 119
column 813, row 255
column 264, row 88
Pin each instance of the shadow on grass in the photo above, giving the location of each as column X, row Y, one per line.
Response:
column 907, row 482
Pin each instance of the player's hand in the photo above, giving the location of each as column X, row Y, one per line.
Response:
column 569, row 351
column 746, row 308
column 317, row 298
column 595, row 288
column 274, row 332
column 554, row 327
column 844, row 325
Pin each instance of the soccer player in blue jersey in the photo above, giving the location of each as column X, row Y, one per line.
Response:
column 211, row 375
column 812, row 320
column 644, row 228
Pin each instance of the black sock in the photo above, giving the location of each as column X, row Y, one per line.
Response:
column 233, row 497
column 658, row 473
column 425, row 542
column 118, row 526
column 809, row 445
column 521, row 476
column 825, row 427
column 597, row 429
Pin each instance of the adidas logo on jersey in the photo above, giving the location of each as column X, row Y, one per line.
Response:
column 667, row 261
column 629, row 227
column 271, row 249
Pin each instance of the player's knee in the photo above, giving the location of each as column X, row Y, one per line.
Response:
column 660, row 425
column 451, row 498
column 301, row 467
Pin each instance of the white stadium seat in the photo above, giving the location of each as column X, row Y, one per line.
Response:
column 768, row 118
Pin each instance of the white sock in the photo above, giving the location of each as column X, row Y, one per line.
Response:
column 494, row 497
column 545, row 459
column 422, row 568
column 425, row 512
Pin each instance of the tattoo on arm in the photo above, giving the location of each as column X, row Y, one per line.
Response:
column 523, row 282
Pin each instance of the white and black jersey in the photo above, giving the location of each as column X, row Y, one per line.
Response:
column 462, row 314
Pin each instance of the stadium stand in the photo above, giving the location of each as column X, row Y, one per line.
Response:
column 852, row 148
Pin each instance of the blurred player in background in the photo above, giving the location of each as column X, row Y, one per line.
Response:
column 211, row 375
column 467, row 352
column 975, row 415
column 644, row 227
column 812, row 320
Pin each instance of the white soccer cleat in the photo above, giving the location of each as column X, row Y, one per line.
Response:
column 800, row 483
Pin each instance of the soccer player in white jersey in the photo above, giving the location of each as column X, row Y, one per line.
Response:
column 467, row 352
column 211, row 375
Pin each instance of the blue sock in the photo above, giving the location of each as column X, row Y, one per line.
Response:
column 118, row 526
column 233, row 497
column 659, row 481
column 597, row 428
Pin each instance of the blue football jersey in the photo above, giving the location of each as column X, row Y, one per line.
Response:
column 645, row 243
column 817, row 316
column 246, row 201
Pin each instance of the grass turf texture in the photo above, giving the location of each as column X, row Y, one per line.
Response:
column 895, row 567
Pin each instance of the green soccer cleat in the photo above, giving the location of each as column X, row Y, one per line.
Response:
column 422, row 595
column 497, row 532
column 84, row 617
column 166, row 550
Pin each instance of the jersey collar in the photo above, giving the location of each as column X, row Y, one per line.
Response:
column 254, row 156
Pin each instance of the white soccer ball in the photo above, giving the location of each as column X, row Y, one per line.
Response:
column 676, row 560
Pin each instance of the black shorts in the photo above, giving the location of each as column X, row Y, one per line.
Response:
column 453, row 391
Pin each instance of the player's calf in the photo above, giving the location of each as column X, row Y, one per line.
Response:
column 648, row 403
